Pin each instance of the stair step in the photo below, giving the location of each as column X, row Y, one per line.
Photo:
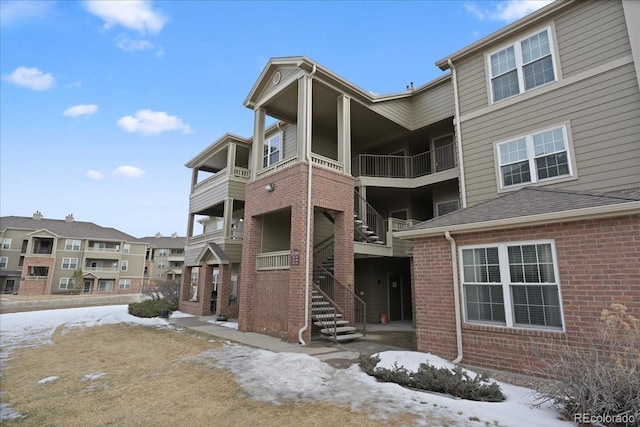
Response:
column 320, row 303
column 328, row 316
column 339, row 330
column 329, row 324
column 345, row 337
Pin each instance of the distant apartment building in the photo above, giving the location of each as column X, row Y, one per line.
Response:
column 42, row 256
column 165, row 257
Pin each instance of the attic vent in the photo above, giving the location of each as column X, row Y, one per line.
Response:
column 276, row 78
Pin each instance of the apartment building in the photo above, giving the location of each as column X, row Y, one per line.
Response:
column 437, row 203
column 165, row 257
column 41, row 256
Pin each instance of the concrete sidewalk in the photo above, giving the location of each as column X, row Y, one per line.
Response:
column 340, row 355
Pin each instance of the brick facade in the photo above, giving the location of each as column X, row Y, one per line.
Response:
column 261, row 310
column 598, row 262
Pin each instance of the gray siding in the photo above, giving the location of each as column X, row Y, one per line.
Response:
column 472, row 84
column 433, row 105
column 397, row 110
column 592, row 34
column 216, row 194
column 604, row 126
column 290, row 145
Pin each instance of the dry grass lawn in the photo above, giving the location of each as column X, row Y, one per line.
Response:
column 148, row 382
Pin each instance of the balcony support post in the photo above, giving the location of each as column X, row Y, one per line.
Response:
column 227, row 218
column 258, row 141
column 344, row 132
column 231, row 159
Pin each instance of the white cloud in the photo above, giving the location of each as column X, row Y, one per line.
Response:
column 149, row 122
column 31, row 78
column 17, row 11
column 127, row 171
column 80, row 110
column 506, row 11
column 134, row 15
column 129, row 45
column 95, row 175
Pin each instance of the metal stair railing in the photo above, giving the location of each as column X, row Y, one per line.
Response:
column 370, row 217
column 332, row 308
column 330, row 286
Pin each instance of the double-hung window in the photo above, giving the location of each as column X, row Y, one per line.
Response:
column 66, row 283
column 533, row 158
column 272, row 150
column 512, row 284
column 124, row 284
column 6, row 243
column 72, row 245
column 522, row 66
column 69, row 263
column 4, row 261
column 124, row 265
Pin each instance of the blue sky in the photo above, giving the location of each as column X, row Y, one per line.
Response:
column 102, row 103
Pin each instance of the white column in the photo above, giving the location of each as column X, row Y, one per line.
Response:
column 344, row 132
column 304, row 116
column 231, row 159
column 228, row 215
column 258, row 141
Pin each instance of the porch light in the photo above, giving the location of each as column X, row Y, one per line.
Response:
column 270, row 187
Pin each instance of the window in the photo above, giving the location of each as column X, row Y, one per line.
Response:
column 271, row 152
column 514, row 285
column 533, row 158
column 6, row 243
column 126, row 248
column 162, row 265
column 522, row 66
column 66, row 283
column 70, row 263
column 124, row 284
column 444, row 208
column 124, row 265
column 162, row 252
column 4, row 261
column 105, row 285
column 72, row 245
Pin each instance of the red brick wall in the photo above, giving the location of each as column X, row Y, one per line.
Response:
column 598, row 262
column 330, row 190
column 38, row 287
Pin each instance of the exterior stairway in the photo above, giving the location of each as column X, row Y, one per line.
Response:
column 365, row 233
column 326, row 314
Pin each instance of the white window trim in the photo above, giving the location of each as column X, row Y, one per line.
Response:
column 126, row 248
column 6, row 243
column 106, row 282
column 68, row 283
column 267, row 141
column 124, row 265
column 573, row 173
column 69, row 245
column 517, row 44
column 70, row 262
column 506, row 283
column 4, row 260
column 124, row 284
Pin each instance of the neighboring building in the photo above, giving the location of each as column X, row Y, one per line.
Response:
column 527, row 154
column 39, row 256
column 165, row 257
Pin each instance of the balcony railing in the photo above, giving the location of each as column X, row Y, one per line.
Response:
column 103, row 269
column 205, row 237
column 241, row 172
column 396, row 224
column 273, row 260
column 99, row 249
column 277, row 166
column 36, row 278
column 388, row 166
column 327, row 163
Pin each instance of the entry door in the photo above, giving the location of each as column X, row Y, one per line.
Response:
column 395, row 296
column 8, row 287
column 444, row 153
column 88, row 284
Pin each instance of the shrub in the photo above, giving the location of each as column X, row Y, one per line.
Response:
column 441, row 380
column 150, row 308
column 166, row 290
column 602, row 380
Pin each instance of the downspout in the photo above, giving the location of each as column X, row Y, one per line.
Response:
column 456, row 296
column 307, row 152
column 456, row 103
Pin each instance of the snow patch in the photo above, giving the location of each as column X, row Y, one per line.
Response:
column 94, row 376
column 48, row 380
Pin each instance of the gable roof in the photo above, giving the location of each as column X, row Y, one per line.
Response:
column 177, row 242
column 62, row 228
column 212, row 251
column 529, row 206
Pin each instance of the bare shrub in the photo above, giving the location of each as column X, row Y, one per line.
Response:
column 599, row 383
column 166, row 290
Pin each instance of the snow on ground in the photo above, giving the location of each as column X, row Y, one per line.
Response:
column 282, row 377
column 230, row 325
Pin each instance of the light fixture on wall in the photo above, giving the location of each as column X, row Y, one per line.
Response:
column 270, row 187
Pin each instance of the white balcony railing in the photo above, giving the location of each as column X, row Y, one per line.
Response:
column 327, row 163
column 396, row 224
column 273, row 260
column 241, row 172
column 207, row 183
column 206, row 237
column 99, row 249
column 102, row 269
column 36, row 278
column 277, row 166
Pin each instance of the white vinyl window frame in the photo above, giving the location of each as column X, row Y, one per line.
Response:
column 516, row 57
column 105, row 285
column 69, row 263
column 162, row 265
column 537, row 151
column 272, row 150
column 4, row 261
column 508, row 286
column 6, row 243
column 162, row 252
column 66, row 283
column 126, row 248
column 72, row 245
column 124, row 265
column 124, row 284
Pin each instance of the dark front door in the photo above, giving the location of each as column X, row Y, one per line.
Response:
column 8, row 287
column 395, row 296
column 444, row 153
column 88, row 284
